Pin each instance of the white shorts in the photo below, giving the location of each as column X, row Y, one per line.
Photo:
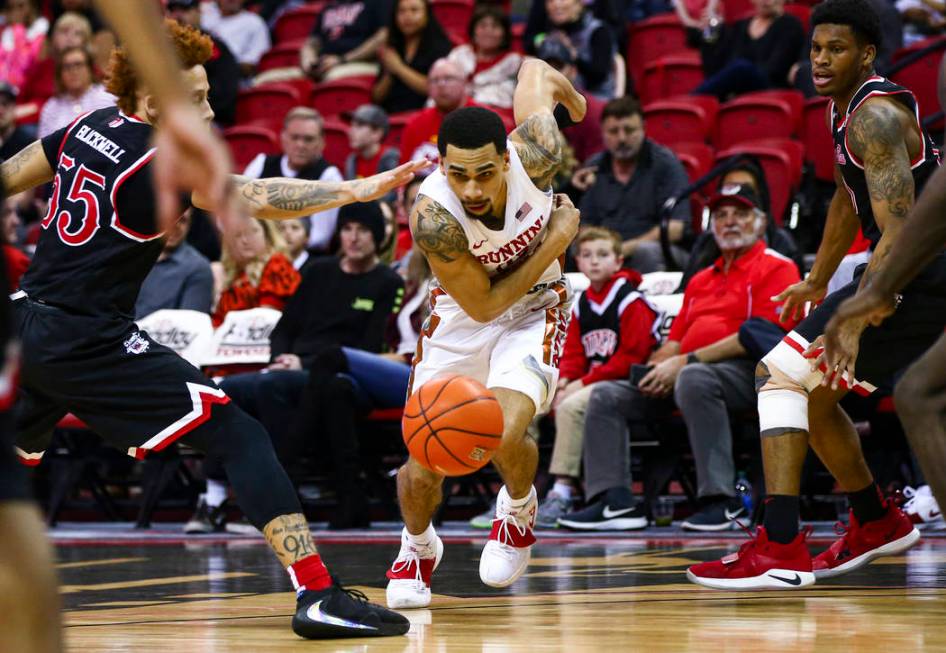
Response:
column 519, row 350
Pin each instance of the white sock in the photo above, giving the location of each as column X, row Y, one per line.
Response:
column 424, row 539
column 563, row 490
column 216, row 493
column 515, row 504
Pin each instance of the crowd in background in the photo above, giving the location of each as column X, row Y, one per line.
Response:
column 350, row 285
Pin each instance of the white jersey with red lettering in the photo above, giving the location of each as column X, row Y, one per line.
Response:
column 520, row 349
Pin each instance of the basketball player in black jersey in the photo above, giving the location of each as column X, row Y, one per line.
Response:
column 83, row 353
column 883, row 158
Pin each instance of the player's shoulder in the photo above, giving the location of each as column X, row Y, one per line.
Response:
column 878, row 121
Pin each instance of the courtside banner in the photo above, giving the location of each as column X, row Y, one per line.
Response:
column 189, row 333
column 243, row 337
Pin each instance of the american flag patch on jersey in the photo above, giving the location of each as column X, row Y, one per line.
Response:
column 523, row 211
column 116, row 122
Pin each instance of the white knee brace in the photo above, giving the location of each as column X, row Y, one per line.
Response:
column 783, row 396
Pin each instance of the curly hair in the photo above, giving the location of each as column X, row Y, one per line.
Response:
column 859, row 15
column 193, row 48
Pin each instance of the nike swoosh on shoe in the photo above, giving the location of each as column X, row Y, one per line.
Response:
column 315, row 613
column 607, row 513
column 791, row 581
column 732, row 515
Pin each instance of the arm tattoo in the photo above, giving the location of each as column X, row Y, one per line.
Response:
column 14, row 166
column 437, row 232
column 292, row 195
column 876, row 134
column 540, row 148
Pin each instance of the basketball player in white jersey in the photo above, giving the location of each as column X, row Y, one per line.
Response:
column 494, row 234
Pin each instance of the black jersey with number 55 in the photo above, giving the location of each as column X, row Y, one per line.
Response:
column 98, row 240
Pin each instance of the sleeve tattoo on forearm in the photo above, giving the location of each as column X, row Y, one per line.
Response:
column 876, row 133
column 541, row 148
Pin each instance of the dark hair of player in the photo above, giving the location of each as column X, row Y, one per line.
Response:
column 470, row 128
column 622, row 107
column 193, row 48
column 859, row 15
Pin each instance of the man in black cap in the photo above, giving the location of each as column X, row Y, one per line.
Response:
column 12, row 138
column 705, row 368
column 223, row 71
column 369, row 128
column 341, row 302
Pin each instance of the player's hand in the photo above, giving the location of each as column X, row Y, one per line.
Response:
column 564, row 221
column 189, row 158
column 286, row 362
column 375, row 186
column 795, row 297
column 837, row 353
column 659, row 381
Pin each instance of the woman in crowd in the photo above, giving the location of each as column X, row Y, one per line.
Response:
column 254, row 270
column 415, row 41
column 21, row 39
column 71, row 30
column 487, row 60
column 77, row 91
column 752, row 54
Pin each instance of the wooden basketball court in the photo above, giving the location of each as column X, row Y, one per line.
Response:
column 126, row 590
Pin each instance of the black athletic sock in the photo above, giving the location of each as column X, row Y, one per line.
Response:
column 867, row 504
column 781, row 518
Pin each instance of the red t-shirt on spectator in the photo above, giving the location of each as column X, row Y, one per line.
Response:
column 277, row 283
column 17, row 262
column 367, row 167
column 716, row 302
column 422, row 130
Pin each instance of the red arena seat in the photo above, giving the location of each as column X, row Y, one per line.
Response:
column 266, row 105
column 680, row 119
column 455, row 16
column 674, row 74
column 781, row 160
column 246, row 141
column 339, row 96
column 281, row 55
column 751, row 117
column 652, row 38
column 920, row 74
column 297, row 23
column 815, row 135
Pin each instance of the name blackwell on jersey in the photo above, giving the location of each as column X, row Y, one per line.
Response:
column 100, row 143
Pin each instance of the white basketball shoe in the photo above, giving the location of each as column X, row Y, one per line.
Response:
column 922, row 508
column 509, row 547
column 409, row 584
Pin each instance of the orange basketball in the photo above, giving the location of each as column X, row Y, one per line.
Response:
column 452, row 425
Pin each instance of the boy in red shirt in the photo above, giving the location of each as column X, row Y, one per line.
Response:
column 612, row 327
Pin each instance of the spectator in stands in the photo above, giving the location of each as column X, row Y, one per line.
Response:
column 245, row 33
column 71, row 30
column 345, row 39
column 592, row 40
column 612, row 328
column 611, row 12
column 302, row 142
column 628, row 184
column 447, row 92
column 12, row 138
column 296, row 234
column 585, row 137
column 405, row 243
column 77, row 91
column 745, row 170
column 703, row 366
column 922, row 19
column 254, row 270
column 21, row 39
column 341, row 302
column 181, row 278
column 223, row 71
column 369, row 128
column 415, row 41
column 487, row 60
column 752, row 54
column 16, row 261
column 700, row 15
column 103, row 40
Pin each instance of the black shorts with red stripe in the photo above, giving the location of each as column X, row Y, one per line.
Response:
column 137, row 394
column 887, row 350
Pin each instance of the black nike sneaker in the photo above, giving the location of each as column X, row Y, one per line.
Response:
column 718, row 515
column 336, row 612
column 614, row 510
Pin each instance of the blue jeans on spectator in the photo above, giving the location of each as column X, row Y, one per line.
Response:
column 378, row 381
column 738, row 76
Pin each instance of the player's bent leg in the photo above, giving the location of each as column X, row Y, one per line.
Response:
column 324, row 609
column 419, row 492
column 508, row 549
column 777, row 557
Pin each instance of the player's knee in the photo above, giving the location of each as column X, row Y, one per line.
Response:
column 782, row 397
column 416, row 475
column 912, row 396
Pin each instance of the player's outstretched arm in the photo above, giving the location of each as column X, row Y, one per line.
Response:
column 281, row 198
column 445, row 245
column 26, row 169
column 537, row 138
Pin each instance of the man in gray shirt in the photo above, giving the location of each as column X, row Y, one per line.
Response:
column 626, row 186
column 180, row 279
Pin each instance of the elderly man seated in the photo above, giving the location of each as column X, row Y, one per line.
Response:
column 704, row 366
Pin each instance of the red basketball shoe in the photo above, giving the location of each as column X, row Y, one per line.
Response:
column 509, row 547
column 409, row 584
column 759, row 564
column 861, row 543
